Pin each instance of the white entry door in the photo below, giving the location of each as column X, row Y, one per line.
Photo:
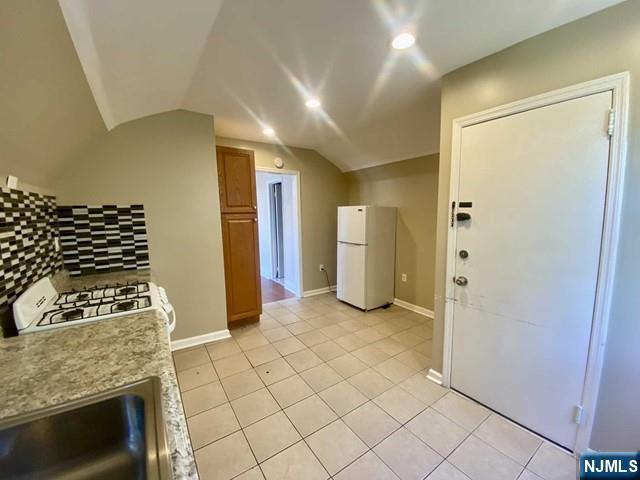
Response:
column 536, row 181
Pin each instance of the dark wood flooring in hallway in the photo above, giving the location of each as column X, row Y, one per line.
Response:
column 273, row 291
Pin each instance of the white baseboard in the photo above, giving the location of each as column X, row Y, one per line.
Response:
column 319, row 291
column 435, row 377
column 199, row 340
column 413, row 308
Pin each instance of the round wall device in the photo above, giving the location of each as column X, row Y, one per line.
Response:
column 278, row 162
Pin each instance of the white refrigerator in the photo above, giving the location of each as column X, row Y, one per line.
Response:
column 366, row 255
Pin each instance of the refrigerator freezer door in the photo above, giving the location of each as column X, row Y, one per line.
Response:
column 352, row 260
column 352, row 225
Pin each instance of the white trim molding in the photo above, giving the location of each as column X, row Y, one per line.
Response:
column 199, row 340
column 618, row 84
column 319, row 291
column 434, row 376
column 414, row 308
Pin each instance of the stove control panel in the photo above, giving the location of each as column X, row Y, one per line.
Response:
column 33, row 302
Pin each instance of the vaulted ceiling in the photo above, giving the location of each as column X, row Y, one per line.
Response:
column 250, row 63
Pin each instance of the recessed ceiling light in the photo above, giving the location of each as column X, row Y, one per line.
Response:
column 313, row 103
column 269, row 132
column 402, row 41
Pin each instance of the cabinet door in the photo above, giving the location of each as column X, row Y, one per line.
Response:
column 237, row 180
column 241, row 266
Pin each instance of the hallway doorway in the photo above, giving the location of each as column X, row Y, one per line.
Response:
column 279, row 234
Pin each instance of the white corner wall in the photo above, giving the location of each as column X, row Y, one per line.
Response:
column 290, row 217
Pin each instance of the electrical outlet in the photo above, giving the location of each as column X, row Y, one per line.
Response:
column 322, row 267
column 404, row 277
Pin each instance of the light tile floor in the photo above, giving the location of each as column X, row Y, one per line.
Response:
column 321, row 390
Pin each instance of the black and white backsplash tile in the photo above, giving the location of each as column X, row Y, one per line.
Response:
column 28, row 235
column 103, row 238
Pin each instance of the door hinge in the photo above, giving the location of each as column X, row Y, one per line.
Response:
column 577, row 414
column 612, row 122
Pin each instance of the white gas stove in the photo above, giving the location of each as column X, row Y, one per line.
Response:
column 41, row 307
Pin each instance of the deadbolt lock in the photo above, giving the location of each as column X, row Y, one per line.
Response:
column 463, row 254
column 461, row 281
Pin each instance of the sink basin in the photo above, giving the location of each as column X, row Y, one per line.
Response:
column 117, row 434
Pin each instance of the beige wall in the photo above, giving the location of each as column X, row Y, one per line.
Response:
column 322, row 189
column 602, row 44
column 166, row 162
column 412, row 186
column 47, row 110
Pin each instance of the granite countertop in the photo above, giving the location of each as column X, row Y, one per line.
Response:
column 55, row 366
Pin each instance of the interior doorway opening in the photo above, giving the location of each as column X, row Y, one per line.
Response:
column 279, row 234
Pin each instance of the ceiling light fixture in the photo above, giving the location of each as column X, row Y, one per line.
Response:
column 313, row 103
column 269, row 132
column 403, row 41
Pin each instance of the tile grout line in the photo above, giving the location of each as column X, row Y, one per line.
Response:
column 323, row 362
column 296, row 402
column 471, row 434
column 304, row 439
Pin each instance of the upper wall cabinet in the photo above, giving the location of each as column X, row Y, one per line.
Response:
column 237, row 180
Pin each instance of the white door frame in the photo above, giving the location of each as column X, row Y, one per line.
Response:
column 619, row 85
column 296, row 175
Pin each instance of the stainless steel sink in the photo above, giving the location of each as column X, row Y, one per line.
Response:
column 117, row 434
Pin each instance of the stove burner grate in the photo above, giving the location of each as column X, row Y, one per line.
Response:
column 124, row 306
column 94, row 308
column 74, row 314
column 127, row 290
column 103, row 293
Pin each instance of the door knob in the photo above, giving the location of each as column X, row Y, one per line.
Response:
column 462, row 281
column 255, row 207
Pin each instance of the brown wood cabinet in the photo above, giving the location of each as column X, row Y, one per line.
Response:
column 237, row 180
column 239, row 216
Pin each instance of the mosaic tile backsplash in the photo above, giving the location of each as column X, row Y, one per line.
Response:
column 103, row 238
column 28, row 235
